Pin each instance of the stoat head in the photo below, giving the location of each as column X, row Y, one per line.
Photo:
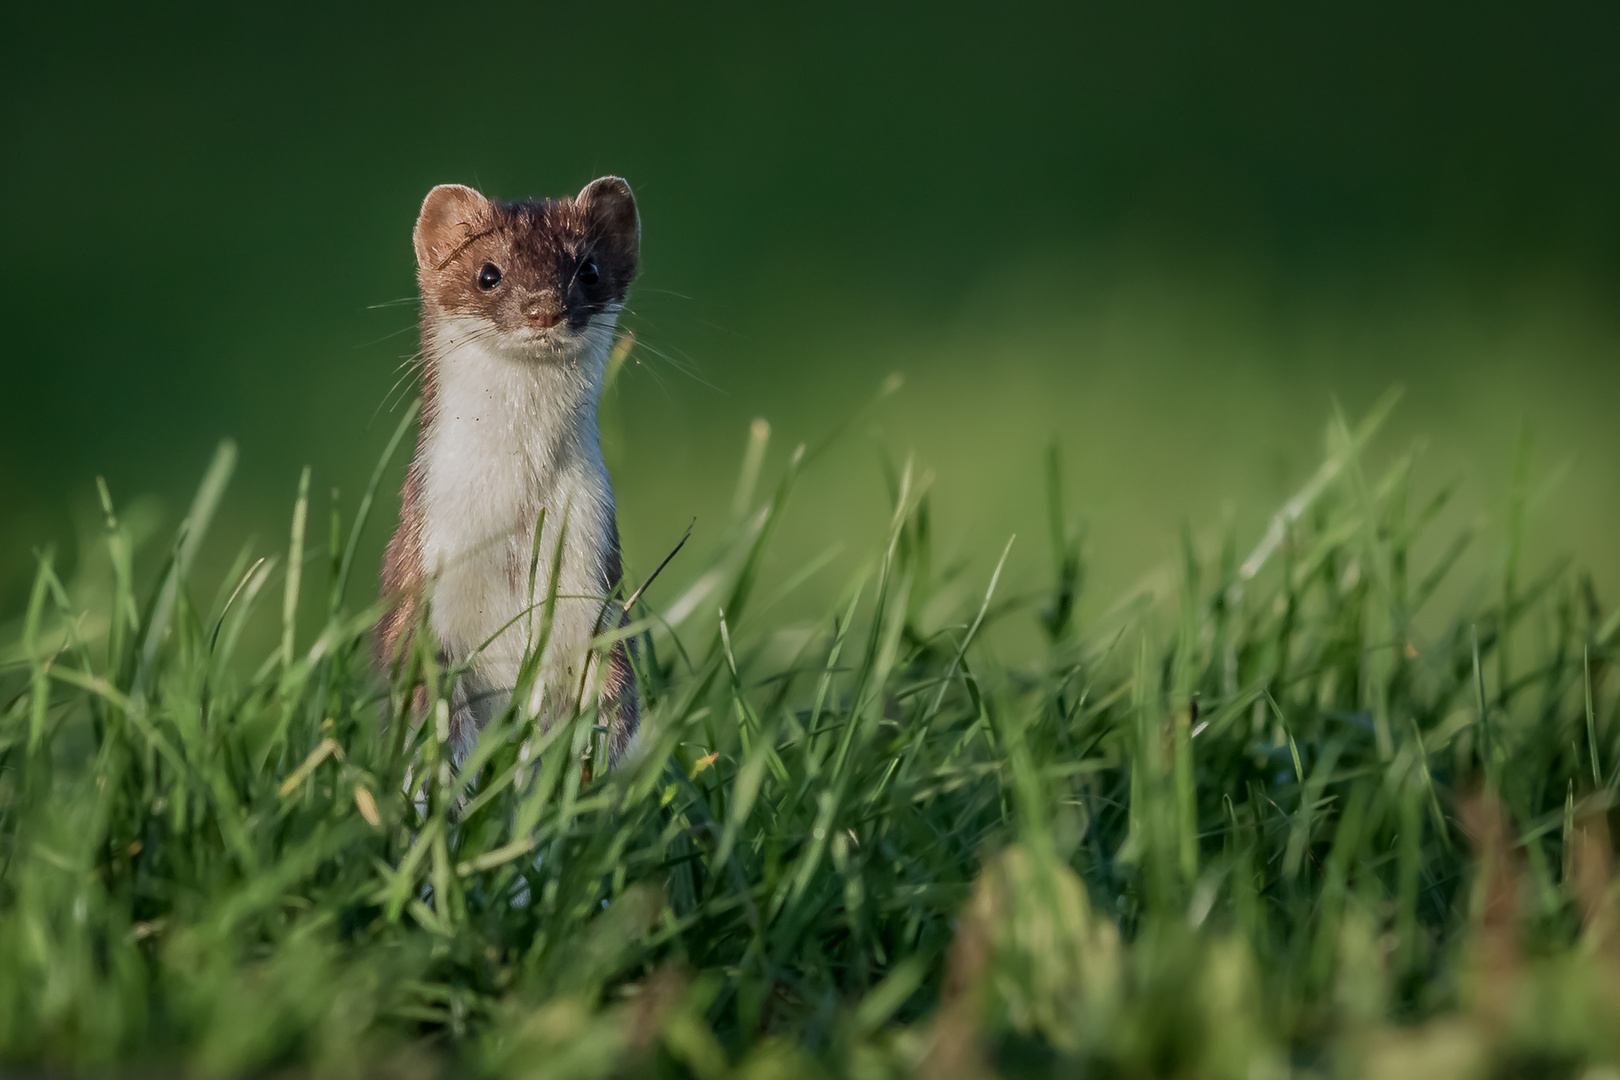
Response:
column 540, row 278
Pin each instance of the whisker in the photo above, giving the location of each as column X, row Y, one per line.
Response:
column 385, row 337
column 407, row 380
column 680, row 366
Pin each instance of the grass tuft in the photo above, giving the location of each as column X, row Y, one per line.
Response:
column 1315, row 827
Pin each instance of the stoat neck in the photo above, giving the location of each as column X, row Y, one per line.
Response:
column 544, row 402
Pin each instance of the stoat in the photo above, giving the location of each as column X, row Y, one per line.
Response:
column 519, row 305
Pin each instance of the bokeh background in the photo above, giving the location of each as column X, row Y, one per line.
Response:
column 1170, row 236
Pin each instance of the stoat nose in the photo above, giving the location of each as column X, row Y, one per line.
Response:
column 542, row 312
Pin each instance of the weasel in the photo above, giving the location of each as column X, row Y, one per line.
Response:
column 519, row 305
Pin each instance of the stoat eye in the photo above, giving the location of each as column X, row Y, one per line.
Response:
column 587, row 272
column 489, row 276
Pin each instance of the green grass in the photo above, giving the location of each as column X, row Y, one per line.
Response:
column 1298, row 824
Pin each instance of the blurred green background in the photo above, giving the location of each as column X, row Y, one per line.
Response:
column 1169, row 235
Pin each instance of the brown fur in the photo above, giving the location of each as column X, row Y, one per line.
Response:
column 538, row 247
column 402, row 577
column 620, row 707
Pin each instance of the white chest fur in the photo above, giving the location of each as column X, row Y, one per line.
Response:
column 513, row 434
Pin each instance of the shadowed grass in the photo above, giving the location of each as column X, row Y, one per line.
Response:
column 1299, row 832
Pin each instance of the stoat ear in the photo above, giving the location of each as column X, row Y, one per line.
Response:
column 611, row 218
column 450, row 214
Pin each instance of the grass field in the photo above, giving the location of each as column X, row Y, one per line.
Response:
column 1296, row 823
